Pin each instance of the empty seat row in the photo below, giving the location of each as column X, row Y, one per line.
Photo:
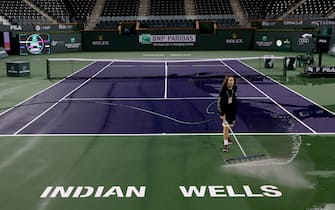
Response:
column 17, row 11
column 319, row 8
column 212, row 7
column 261, row 9
column 164, row 7
column 121, row 8
column 66, row 10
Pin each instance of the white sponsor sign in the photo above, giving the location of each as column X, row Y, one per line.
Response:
column 178, row 38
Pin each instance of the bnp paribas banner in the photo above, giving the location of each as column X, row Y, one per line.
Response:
column 168, row 40
column 171, row 40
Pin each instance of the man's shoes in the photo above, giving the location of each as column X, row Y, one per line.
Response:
column 225, row 148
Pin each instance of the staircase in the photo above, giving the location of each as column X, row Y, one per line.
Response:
column 292, row 9
column 51, row 20
column 4, row 21
column 331, row 14
column 189, row 7
column 144, row 8
column 96, row 13
column 239, row 12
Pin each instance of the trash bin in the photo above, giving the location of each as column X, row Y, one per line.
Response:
column 18, row 68
column 290, row 63
column 269, row 61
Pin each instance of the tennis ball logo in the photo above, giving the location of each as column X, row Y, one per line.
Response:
column 146, row 39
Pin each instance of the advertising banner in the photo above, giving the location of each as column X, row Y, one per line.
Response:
column 226, row 39
column 170, row 40
column 65, row 42
column 283, row 41
column 45, row 43
column 42, row 27
column 103, row 41
column 298, row 24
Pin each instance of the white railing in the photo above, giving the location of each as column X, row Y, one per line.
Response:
column 176, row 17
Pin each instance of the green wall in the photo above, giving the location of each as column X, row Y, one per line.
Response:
column 226, row 39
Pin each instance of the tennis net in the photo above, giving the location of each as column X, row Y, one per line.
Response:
column 78, row 68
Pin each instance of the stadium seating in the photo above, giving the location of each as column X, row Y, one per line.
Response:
column 105, row 24
column 164, row 7
column 172, row 23
column 213, row 7
column 155, row 23
column 57, row 9
column 230, row 22
column 262, row 9
column 66, row 10
column 254, row 8
column 314, row 9
column 121, row 8
column 114, row 8
column 278, row 7
column 18, row 12
column 80, row 9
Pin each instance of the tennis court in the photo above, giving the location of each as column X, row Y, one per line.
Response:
column 136, row 98
column 152, row 125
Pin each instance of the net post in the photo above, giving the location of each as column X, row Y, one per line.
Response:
column 72, row 66
column 48, row 69
column 284, row 70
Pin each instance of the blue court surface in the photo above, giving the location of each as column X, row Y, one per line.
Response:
column 163, row 97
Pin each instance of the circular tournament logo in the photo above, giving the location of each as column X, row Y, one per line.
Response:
column 37, row 27
column 279, row 43
column 35, row 44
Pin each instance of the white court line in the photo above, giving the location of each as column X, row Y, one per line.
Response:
column 158, row 99
column 38, row 93
column 293, row 91
column 238, row 142
column 204, row 65
column 135, row 66
column 195, row 65
column 275, row 102
column 166, row 81
column 166, row 134
column 159, row 60
column 55, row 104
column 122, row 66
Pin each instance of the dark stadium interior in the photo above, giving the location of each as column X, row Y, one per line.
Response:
column 161, row 13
